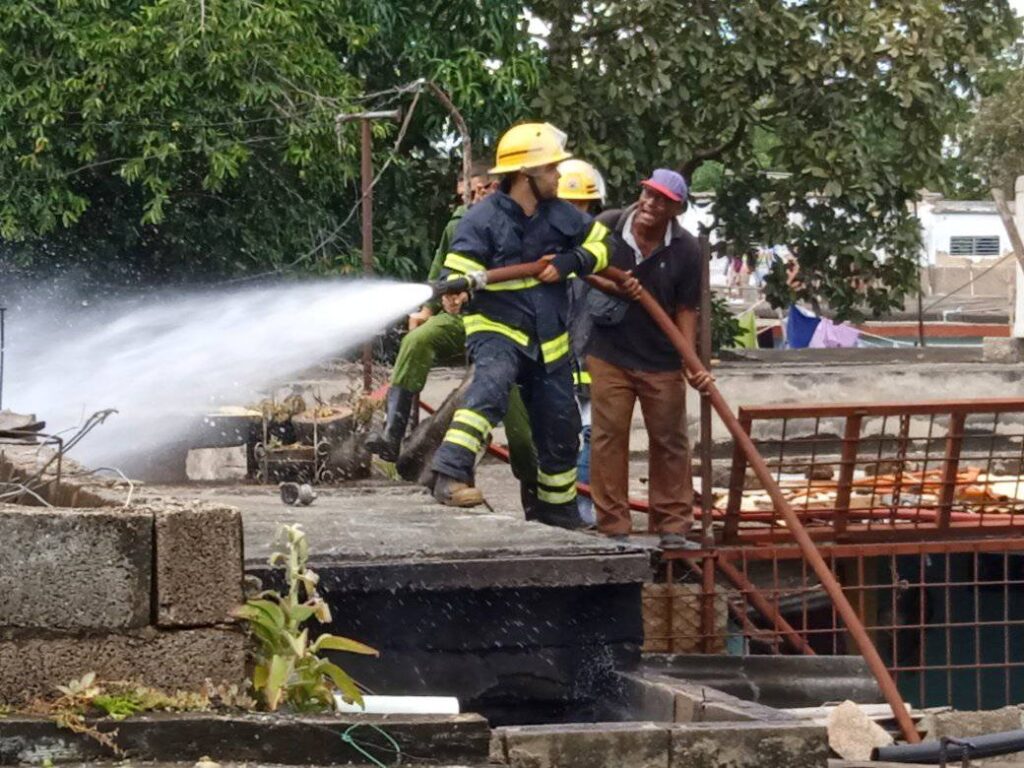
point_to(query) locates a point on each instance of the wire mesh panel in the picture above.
(946, 617)
(868, 472)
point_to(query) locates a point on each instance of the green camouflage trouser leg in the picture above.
(441, 339)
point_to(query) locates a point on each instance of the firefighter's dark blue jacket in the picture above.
(497, 233)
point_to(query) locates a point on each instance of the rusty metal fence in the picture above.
(868, 472)
(916, 509)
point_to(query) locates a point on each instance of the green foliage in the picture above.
(288, 669)
(146, 141)
(83, 700)
(175, 140)
(847, 103)
(160, 138)
(724, 325)
(994, 141)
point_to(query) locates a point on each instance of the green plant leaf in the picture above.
(271, 609)
(259, 676)
(349, 690)
(336, 643)
(299, 644)
(302, 612)
(277, 678)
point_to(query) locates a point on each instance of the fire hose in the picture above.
(480, 280)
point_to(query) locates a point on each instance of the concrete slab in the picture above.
(75, 569)
(587, 745)
(748, 745)
(257, 739)
(365, 525)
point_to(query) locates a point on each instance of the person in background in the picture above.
(582, 185)
(630, 359)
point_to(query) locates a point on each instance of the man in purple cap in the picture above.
(630, 359)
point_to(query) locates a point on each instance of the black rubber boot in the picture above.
(560, 515)
(388, 443)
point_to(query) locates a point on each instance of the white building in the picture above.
(962, 229)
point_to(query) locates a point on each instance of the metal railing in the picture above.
(917, 510)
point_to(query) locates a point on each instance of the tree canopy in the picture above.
(854, 96)
(168, 138)
(161, 138)
(993, 141)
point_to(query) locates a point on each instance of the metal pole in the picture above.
(706, 498)
(367, 211)
(366, 201)
(3, 349)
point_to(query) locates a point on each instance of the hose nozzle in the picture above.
(474, 281)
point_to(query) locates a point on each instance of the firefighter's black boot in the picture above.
(388, 444)
(560, 515)
(528, 498)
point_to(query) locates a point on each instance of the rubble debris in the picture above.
(852, 734)
(294, 493)
(15, 425)
(216, 464)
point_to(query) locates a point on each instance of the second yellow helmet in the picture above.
(579, 180)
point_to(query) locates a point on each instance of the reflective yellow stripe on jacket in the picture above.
(551, 351)
(514, 285)
(481, 324)
(596, 245)
(458, 262)
(555, 349)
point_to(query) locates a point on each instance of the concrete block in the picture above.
(963, 725)
(31, 665)
(1000, 350)
(213, 464)
(749, 745)
(646, 699)
(590, 745)
(199, 570)
(75, 569)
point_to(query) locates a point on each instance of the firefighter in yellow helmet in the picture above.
(580, 183)
(516, 332)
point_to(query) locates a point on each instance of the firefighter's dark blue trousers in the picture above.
(554, 419)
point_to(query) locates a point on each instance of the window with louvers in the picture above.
(974, 246)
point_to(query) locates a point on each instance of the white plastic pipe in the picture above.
(402, 705)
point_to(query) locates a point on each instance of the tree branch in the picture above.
(713, 153)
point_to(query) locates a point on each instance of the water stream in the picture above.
(165, 359)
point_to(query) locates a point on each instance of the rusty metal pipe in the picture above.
(753, 596)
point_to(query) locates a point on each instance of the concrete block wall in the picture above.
(662, 745)
(138, 593)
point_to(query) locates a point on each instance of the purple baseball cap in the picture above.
(668, 183)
